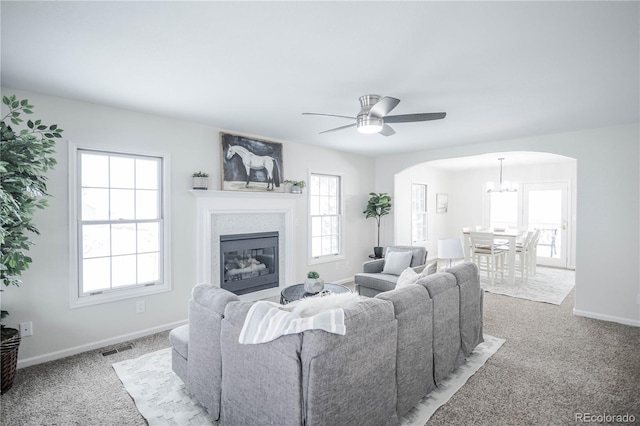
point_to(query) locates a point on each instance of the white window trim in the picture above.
(75, 301)
(426, 196)
(343, 240)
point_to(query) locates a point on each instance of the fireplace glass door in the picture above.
(249, 262)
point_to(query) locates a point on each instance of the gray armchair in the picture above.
(381, 275)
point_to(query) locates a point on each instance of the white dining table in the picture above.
(509, 234)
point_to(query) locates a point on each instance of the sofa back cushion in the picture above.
(259, 381)
(351, 379)
(471, 300)
(414, 359)
(445, 294)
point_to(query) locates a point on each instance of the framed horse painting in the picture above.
(250, 164)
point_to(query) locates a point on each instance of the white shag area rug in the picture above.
(161, 398)
(549, 285)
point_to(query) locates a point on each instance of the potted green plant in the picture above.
(313, 283)
(26, 157)
(200, 180)
(296, 185)
(378, 205)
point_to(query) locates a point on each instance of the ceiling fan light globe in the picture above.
(369, 129)
(369, 125)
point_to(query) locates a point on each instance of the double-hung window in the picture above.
(418, 213)
(325, 209)
(120, 247)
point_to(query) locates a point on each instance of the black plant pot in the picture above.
(377, 252)
(9, 356)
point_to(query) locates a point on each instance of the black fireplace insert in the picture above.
(249, 262)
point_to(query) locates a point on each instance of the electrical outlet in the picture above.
(26, 329)
(140, 307)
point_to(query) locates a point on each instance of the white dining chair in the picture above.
(533, 252)
(466, 240)
(523, 256)
(486, 255)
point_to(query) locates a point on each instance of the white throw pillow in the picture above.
(396, 261)
(432, 268)
(311, 306)
(408, 276)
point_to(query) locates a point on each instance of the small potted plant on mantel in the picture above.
(313, 283)
(296, 185)
(200, 180)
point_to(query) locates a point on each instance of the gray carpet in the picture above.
(552, 366)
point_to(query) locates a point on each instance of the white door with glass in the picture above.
(545, 207)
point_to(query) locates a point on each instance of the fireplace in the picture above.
(222, 213)
(249, 262)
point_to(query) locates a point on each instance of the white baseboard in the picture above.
(52, 356)
(625, 321)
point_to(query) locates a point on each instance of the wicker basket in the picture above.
(9, 358)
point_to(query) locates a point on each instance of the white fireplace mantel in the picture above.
(200, 193)
(243, 212)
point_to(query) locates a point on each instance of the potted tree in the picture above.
(26, 157)
(313, 283)
(378, 205)
(200, 180)
(296, 185)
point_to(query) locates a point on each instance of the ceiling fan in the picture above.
(373, 117)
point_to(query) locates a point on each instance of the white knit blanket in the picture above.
(267, 321)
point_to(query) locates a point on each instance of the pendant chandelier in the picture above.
(503, 186)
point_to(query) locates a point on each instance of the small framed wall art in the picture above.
(442, 203)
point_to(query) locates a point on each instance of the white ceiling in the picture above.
(501, 70)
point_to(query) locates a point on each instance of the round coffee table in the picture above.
(296, 292)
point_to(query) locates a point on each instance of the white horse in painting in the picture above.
(257, 162)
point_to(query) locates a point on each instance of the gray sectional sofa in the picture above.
(398, 346)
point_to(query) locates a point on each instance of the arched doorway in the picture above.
(539, 177)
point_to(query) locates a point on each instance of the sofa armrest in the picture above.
(373, 266)
(204, 371)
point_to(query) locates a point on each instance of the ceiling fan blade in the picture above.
(408, 118)
(328, 115)
(387, 131)
(338, 128)
(383, 107)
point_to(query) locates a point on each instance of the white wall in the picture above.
(437, 181)
(607, 210)
(468, 198)
(43, 298)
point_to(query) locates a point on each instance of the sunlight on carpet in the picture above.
(549, 285)
(161, 397)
